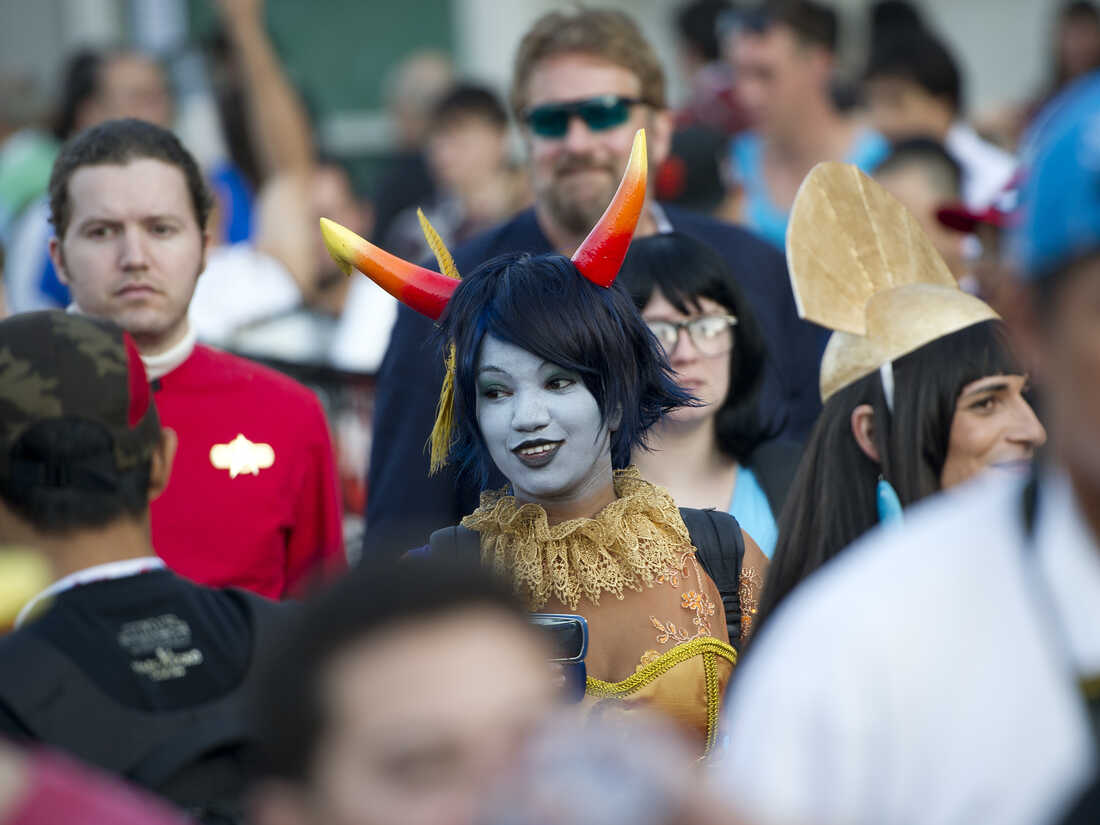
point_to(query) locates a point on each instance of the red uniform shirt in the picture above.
(253, 499)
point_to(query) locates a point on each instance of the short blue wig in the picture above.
(545, 306)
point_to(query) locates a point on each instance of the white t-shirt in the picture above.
(987, 168)
(916, 679)
(240, 286)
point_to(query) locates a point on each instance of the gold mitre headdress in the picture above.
(862, 266)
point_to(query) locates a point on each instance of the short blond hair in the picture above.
(603, 33)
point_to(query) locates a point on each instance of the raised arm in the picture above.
(278, 124)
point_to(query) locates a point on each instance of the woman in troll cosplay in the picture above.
(554, 377)
(920, 387)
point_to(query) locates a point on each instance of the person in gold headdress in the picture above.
(554, 378)
(921, 390)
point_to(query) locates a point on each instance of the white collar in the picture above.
(99, 572)
(158, 366)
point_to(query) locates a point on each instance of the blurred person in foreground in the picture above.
(583, 83)
(914, 89)
(401, 695)
(43, 788)
(961, 684)
(253, 501)
(925, 179)
(597, 771)
(119, 662)
(784, 53)
(717, 454)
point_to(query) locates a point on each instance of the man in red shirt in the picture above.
(253, 499)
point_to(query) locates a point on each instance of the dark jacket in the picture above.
(405, 505)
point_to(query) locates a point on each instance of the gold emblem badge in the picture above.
(242, 456)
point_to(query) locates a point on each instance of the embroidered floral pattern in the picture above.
(695, 601)
(748, 591)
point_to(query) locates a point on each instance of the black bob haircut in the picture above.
(545, 306)
(99, 493)
(918, 56)
(288, 717)
(832, 501)
(685, 270)
(118, 142)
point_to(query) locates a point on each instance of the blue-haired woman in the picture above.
(554, 378)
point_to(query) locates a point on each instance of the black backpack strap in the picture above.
(457, 543)
(774, 463)
(720, 549)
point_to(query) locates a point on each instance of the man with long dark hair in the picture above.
(950, 671)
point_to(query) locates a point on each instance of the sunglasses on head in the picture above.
(551, 120)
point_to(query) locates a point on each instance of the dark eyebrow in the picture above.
(491, 368)
(1001, 387)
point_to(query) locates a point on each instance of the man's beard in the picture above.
(574, 214)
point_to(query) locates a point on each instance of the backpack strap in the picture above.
(720, 549)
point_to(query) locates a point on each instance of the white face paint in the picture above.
(541, 424)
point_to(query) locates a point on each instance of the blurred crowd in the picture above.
(811, 405)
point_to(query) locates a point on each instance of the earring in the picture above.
(889, 505)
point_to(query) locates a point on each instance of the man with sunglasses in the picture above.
(583, 83)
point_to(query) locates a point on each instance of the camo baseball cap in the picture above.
(57, 365)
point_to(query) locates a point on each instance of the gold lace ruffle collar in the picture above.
(634, 542)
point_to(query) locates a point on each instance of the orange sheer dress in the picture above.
(657, 630)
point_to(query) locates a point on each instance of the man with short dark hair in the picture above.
(400, 696)
(784, 53)
(583, 83)
(119, 661)
(253, 501)
(914, 90)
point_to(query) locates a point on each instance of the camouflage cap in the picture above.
(56, 365)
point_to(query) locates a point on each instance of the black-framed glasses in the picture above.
(711, 334)
(551, 120)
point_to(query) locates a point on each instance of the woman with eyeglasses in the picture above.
(717, 454)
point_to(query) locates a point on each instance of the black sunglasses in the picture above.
(551, 120)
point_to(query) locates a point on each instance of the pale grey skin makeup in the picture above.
(523, 400)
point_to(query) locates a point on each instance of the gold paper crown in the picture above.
(862, 266)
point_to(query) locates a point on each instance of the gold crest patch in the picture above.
(242, 456)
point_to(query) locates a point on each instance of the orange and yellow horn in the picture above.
(601, 255)
(416, 287)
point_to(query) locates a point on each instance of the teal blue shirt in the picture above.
(760, 212)
(751, 509)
